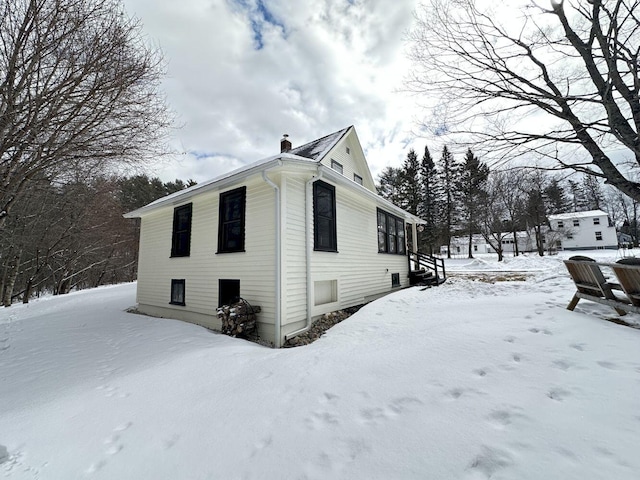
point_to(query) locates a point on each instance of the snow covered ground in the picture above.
(470, 380)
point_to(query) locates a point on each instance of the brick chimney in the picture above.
(285, 144)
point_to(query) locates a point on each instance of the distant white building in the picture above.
(460, 245)
(589, 230)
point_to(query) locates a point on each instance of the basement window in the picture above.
(325, 291)
(395, 280)
(177, 292)
(228, 291)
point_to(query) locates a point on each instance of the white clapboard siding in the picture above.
(255, 268)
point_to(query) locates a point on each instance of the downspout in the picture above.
(278, 321)
(308, 217)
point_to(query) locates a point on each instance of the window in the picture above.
(475, 248)
(336, 166)
(228, 291)
(231, 221)
(181, 238)
(324, 217)
(391, 234)
(177, 292)
(357, 178)
(560, 224)
(569, 236)
(325, 291)
(395, 279)
(348, 151)
(599, 236)
(596, 221)
(576, 223)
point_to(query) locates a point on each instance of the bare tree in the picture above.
(561, 81)
(79, 89)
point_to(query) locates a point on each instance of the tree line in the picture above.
(464, 196)
(72, 235)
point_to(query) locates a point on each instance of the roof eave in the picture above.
(222, 182)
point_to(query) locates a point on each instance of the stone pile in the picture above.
(321, 325)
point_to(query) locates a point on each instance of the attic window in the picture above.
(596, 221)
(576, 223)
(348, 151)
(560, 224)
(337, 166)
(357, 178)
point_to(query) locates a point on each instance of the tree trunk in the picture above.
(12, 275)
(516, 251)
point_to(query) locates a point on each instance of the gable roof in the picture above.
(317, 149)
(309, 154)
(572, 215)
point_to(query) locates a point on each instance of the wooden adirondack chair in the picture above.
(591, 284)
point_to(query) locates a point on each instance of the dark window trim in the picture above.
(390, 237)
(395, 280)
(175, 234)
(174, 283)
(221, 222)
(337, 166)
(358, 179)
(333, 233)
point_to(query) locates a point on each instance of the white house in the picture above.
(582, 231)
(300, 234)
(460, 244)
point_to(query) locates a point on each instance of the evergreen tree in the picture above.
(557, 201)
(390, 184)
(410, 187)
(448, 172)
(593, 195)
(470, 185)
(429, 206)
(578, 201)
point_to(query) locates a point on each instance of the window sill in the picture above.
(230, 251)
(325, 250)
(180, 256)
(180, 304)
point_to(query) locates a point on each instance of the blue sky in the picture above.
(243, 72)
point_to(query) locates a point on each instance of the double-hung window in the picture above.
(391, 234)
(181, 237)
(231, 220)
(324, 217)
(177, 292)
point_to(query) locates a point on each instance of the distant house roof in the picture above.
(572, 215)
(317, 149)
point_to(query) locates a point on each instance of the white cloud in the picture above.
(243, 72)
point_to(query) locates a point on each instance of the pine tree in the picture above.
(429, 206)
(448, 173)
(578, 201)
(557, 201)
(410, 187)
(594, 198)
(390, 184)
(470, 185)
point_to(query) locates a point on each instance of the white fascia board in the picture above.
(222, 181)
(340, 179)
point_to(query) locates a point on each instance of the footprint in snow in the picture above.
(510, 339)
(578, 346)
(558, 394)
